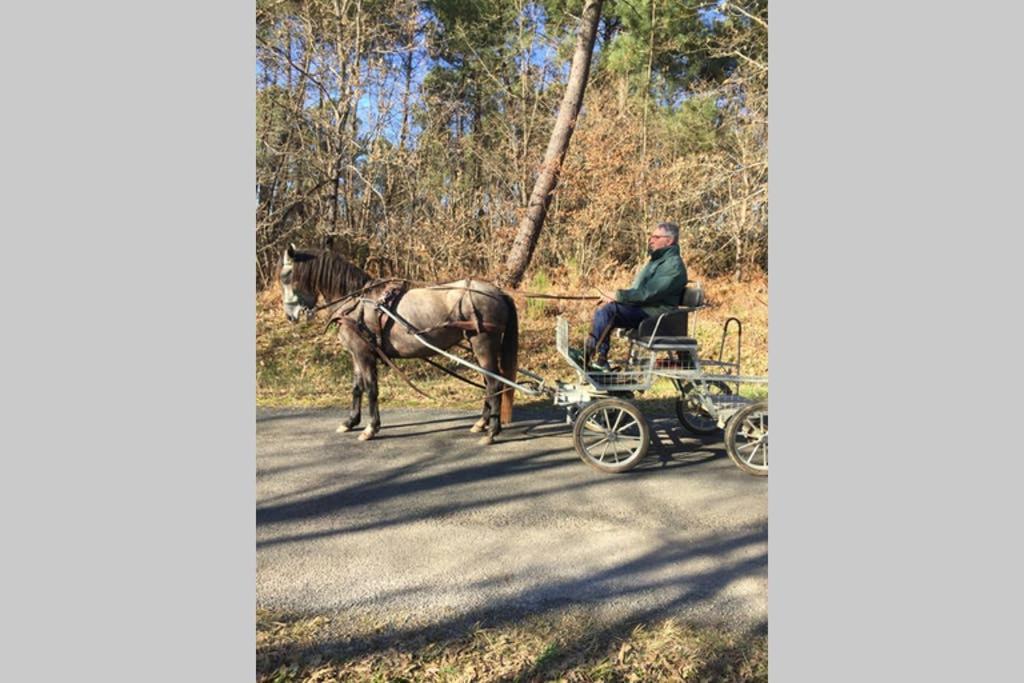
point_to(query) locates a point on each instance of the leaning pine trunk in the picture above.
(547, 179)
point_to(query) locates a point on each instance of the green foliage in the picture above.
(671, 36)
(692, 127)
(540, 283)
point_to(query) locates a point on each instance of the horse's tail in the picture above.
(509, 358)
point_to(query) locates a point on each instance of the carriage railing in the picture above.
(688, 366)
(636, 375)
(720, 372)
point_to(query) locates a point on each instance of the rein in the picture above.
(369, 285)
(526, 295)
(531, 295)
(538, 295)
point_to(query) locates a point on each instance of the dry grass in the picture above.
(563, 648)
(301, 365)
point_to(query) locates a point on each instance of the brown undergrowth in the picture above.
(301, 365)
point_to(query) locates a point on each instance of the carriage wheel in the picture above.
(689, 410)
(746, 439)
(611, 435)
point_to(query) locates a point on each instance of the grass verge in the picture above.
(563, 648)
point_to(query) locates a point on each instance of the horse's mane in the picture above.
(328, 272)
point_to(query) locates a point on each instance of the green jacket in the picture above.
(658, 287)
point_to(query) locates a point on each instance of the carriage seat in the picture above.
(669, 331)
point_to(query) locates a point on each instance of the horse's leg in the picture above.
(481, 424)
(357, 401)
(370, 385)
(485, 349)
(352, 343)
(494, 406)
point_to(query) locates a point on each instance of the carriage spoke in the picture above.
(627, 426)
(618, 420)
(752, 444)
(763, 445)
(628, 452)
(753, 452)
(754, 447)
(764, 454)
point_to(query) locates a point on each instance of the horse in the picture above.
(442, 314)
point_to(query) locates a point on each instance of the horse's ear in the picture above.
(327, 242)
(290, 251)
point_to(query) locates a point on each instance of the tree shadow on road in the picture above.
(457, 465)
(450, 474)
(691, 601)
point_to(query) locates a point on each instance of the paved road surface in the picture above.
(422, 526)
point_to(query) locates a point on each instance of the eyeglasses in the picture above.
(654, 236)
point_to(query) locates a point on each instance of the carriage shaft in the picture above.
(461, 361)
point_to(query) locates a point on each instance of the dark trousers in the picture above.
(610, 316)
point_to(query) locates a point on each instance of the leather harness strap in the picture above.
(354, 317)
(359, 327)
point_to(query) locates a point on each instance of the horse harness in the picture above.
(471, 322)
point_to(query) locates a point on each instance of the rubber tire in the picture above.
(622, 406)
(686, 417)
(732, 433)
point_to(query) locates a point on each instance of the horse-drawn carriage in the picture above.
(610, 432)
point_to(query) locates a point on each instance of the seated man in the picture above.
(656, 289)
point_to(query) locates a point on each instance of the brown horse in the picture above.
(442, 314)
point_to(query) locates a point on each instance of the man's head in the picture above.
(663, 235)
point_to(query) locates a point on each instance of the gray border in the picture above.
(129, 497)
(129, 502)
(893, 177)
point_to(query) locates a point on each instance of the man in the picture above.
(656, 289)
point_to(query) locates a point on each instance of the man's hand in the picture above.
(605, 297)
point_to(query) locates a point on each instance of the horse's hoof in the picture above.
(477, 428)
(366, 434)
(343, 428)
(486, 440)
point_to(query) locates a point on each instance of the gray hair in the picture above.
(672, 229)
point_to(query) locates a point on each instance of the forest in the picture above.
(413, 132)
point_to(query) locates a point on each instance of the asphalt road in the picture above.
(422, 526)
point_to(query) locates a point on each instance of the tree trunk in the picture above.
(537, 208)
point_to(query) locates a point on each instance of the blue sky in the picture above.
(373, 109)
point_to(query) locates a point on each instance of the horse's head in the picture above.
(296, 300)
